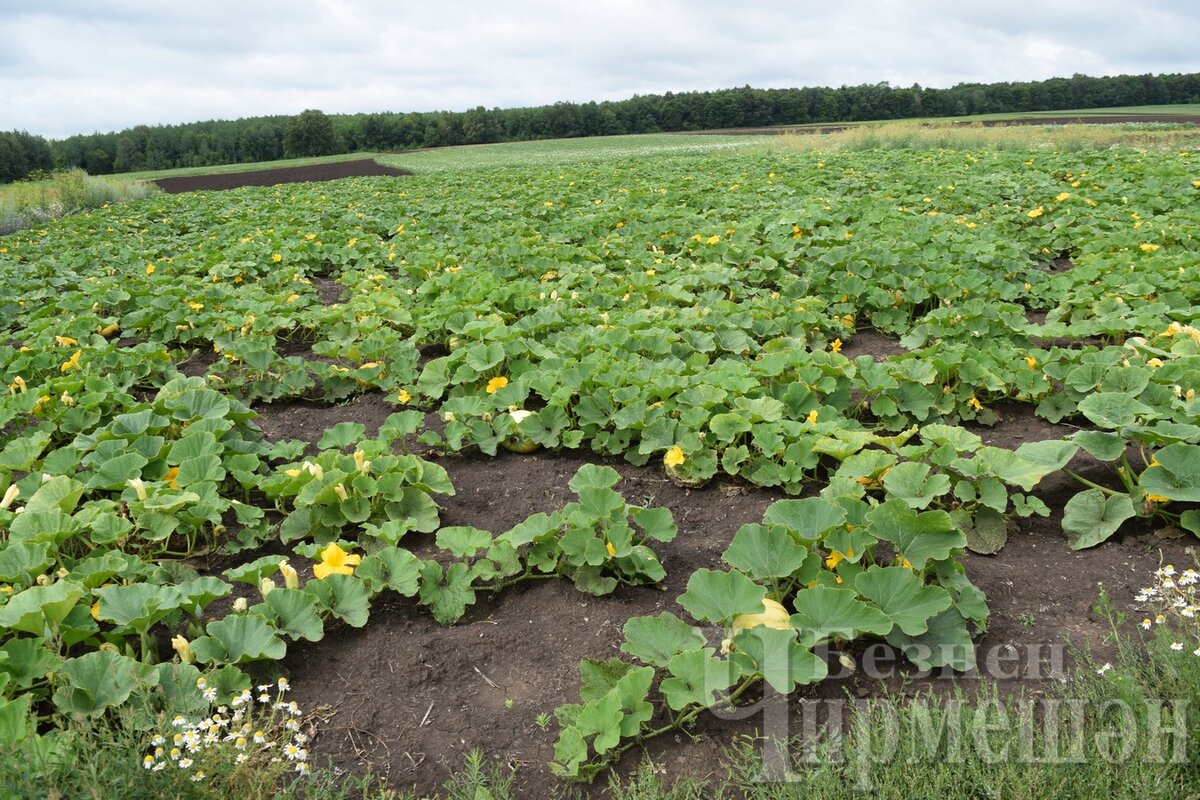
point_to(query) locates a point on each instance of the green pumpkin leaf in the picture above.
(97, 681)
(654, 640)
(696, 678)
(776, 655)
(720, 596)
(920, 538)
(825, 611)
(765, 553)
(903, 596)
(391, 568)
(1091, 516)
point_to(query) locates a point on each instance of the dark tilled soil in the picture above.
(408, 698)
(273, 177)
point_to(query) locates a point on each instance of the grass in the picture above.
(30, 203)
(958, 135)
(549, 152)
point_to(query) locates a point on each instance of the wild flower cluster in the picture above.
(1174, 598)
(260, 731)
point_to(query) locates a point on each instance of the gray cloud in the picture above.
(76, 66)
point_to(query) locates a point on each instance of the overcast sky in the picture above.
(78, 66)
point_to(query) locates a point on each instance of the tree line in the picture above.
(312, 133)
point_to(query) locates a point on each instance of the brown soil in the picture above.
(872, 343)
(273, 177)
(408, 698)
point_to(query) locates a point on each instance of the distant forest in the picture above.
(199, 144)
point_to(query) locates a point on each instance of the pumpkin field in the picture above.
(551, 464)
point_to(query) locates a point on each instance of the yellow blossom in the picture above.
(548, 204)
(674, 456)
(10, 496)
(96, 611)
(277, 257)
(404, 396)
(171, 476)
(310, 236)
(71, 363)
(291, 579)
(184, 648)
(150, 269)
(352, 242)
(974, 403)
(293, 297)
(713, 239)
(335, 560)
(1062, 196)
(65, 341)
(496, 384)
(834, 559)
(812, 416)
(612, 551)
(18, 384)
(1146, 247)
(1154, 362)
(1031, 362)
(904, 562)
(836, 345)
(1157, 498)
(1037, 212)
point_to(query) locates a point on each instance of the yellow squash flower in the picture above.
(404, 396)
(277, 257)
(71, 363)
(171, 476)
(150, 269)
(612, 551)
(1037, 212)
(335, 560)
(1031, 362)
(674, 456)
(1146, 247)
(812, 416)
(1062, 196)
(496, 384)
(836, 345)
(65, 341)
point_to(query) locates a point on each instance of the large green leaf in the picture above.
(920, 538)
(99, 680)
(293, 612)
(765, 552)
(655, 640)
(392, 568)
(1091, 516)
(446, 594)
(825, 611)
(463, 541)
(903, 596)
(136, 605)
(776, 655)
(810, 517)
(1113, 410)
(947, 643)
(912, 483)
(38, 608)
(344, 596)
(720, 596)
(1176, 476)
(239, 638)
(696, 678)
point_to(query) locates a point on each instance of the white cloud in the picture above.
(76, 66)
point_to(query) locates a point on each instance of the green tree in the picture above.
(311, 133)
